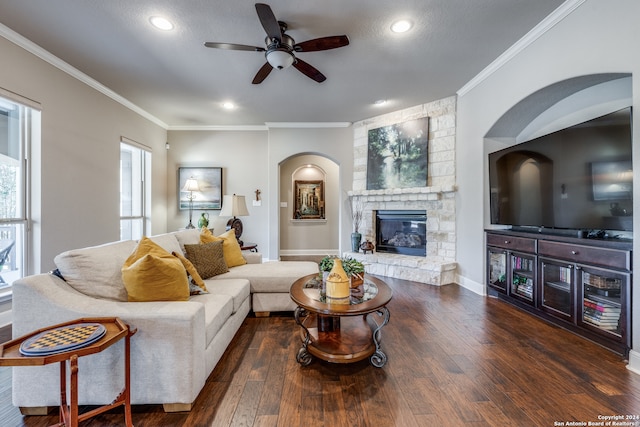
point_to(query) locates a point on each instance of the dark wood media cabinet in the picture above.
(583, 285)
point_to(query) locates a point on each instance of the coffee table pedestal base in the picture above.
(349, 339)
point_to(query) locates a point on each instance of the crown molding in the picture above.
(46, 56)
(220, 128)
(308, 125)
(564, 10)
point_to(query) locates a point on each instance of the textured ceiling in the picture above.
(173, 77)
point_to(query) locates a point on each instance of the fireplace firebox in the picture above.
(402, 232)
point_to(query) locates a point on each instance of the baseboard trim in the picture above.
(634, 362)
(472, 285)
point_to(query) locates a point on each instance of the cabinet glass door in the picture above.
(603, 301)
(557, 288)
(497, 259)
(523, 276)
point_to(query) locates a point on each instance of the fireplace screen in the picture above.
(401, 232)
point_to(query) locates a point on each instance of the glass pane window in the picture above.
(135, 190)
(16, 129)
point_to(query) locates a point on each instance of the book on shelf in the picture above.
(600, 307)
(520, 263)
(608, 324)
(603, 301)
(601, 314)
(564, 274)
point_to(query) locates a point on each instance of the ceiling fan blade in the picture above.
(268, 21)
(262, 73)
(233, 46)
(323, 43)
(309, 70)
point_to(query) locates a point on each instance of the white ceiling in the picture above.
(173, 77)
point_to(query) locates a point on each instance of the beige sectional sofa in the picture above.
(178, 343)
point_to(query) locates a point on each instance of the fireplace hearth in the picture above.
(402, 232)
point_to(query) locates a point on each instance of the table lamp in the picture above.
(190, 186)
(234, 205)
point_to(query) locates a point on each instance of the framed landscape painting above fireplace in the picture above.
(397, 155)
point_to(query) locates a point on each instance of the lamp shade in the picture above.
(191, 185)
(233, 205)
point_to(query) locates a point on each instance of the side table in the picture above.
(116, 329)
(248, 246)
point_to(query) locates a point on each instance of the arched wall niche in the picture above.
(309, 237)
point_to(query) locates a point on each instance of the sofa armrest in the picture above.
(170, 341)
(252, 257)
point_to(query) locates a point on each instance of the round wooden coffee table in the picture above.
(341, 333)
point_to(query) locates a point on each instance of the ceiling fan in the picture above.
(280, 48)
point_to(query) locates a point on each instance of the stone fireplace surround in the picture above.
(438, 198)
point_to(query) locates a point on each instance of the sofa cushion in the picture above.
(153, 274)
(238, 289)
(275, 276)
(189, 236)
(217, 309)
(208, 258)
(96, 271)
(168, 242)
(230, 246)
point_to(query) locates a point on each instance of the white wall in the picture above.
(77, 165)
(242, 157)
(597, 37)
(251, 160)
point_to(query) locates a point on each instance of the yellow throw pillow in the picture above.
(153, 274)
(207, 236)
(191, 269)
(231, 249)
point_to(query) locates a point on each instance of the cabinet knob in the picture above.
(506, 242)
(574, 252)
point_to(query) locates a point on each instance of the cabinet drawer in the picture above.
(613, 258)
(513, 243)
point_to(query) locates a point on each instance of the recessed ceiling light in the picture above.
(228, 105)
(401, 26)
(379, 102)
(161, 23)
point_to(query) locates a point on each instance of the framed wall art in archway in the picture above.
(308, 199)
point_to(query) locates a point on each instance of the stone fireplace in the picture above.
(437, 199)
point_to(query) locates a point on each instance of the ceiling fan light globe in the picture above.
(280, 59)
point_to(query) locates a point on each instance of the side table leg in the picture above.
(73, 399)
(64, 408)
(378, 358)
(127, 379)
(303, 357)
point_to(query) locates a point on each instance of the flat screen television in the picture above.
(578, 178)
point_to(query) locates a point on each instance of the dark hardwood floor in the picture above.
(455, 359)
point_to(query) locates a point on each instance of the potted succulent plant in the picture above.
(354, 269)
